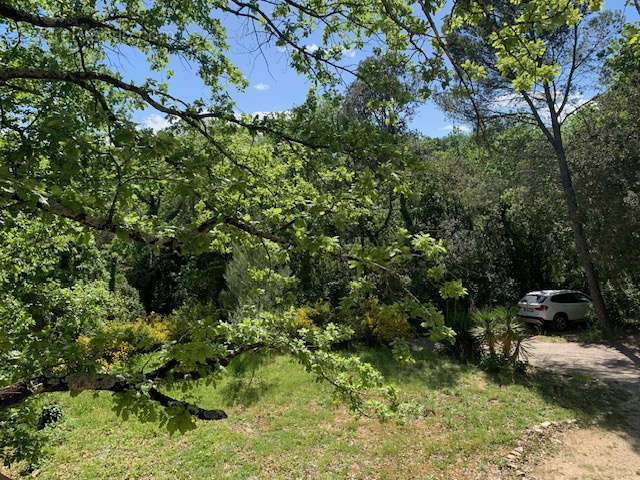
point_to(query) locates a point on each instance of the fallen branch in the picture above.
(201, 413)
(19, 391)
(23, 389)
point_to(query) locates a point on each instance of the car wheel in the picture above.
(560, 321)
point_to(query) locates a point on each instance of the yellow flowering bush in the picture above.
(383, 323)
(118, 342)
(310, 316)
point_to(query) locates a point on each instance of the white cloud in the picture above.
(451, 127)
(349, 52)
(508, 101)
(512, 102)
(155, 122)
(311, 48)
(574, 102)
(261, 86)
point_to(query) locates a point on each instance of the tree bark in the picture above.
(555, 139)
(578, 232)
(19, 391)
(23, 389)
(406, 215)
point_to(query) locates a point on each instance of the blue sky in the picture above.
(274, 86)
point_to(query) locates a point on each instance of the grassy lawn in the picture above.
(282, 424)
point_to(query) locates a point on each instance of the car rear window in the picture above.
(533, 298)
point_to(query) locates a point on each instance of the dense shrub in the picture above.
(258, 278)
(372, 321)
(315, 315)
(117, 342)
(49, 415)
(165, 281)
(623, 300)
(22, 438)
(465, 346)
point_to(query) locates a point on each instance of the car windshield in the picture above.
(533, 298)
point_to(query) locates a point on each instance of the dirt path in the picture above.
(618, 364)
(595, 453)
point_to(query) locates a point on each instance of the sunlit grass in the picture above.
(282, 424)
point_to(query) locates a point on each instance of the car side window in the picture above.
(562, 298)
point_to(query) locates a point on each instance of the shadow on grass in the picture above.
(433, 370)
(587, 333)
(590, 398)
(245, 386)
(608, 405)
(244, 390)
(593, 401)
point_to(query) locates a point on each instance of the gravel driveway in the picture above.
(596, 452)
(615, 363)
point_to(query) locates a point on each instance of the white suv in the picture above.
(556, 306)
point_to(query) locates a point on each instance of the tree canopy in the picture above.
(297, 231)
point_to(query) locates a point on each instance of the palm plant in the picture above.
(486, 329)
(500, 329)
(513, 332)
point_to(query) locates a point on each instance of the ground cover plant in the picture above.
(139, 266)
(282, 424)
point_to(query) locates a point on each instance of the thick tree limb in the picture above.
(44, 21)
(23, 389)
(176, 243)
(82, 217)
(89, 22)
(201, 413)
(19, 391)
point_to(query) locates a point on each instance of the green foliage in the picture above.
(604, 149)
(625, 61)
(385, 94)
(24, 437)
(519, 56)
(258, 276)
(502, 333)
(309, 316)
(50, 414)
(116, 343)
(284, 414)
(166, 280)
(46, 343)
(466, 346)
(318, 216)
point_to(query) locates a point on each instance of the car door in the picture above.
(576, 305)
(562, 304)
(581, 305)
(572, 306)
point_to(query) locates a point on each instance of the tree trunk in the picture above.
(578, 233)
(406, 215)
